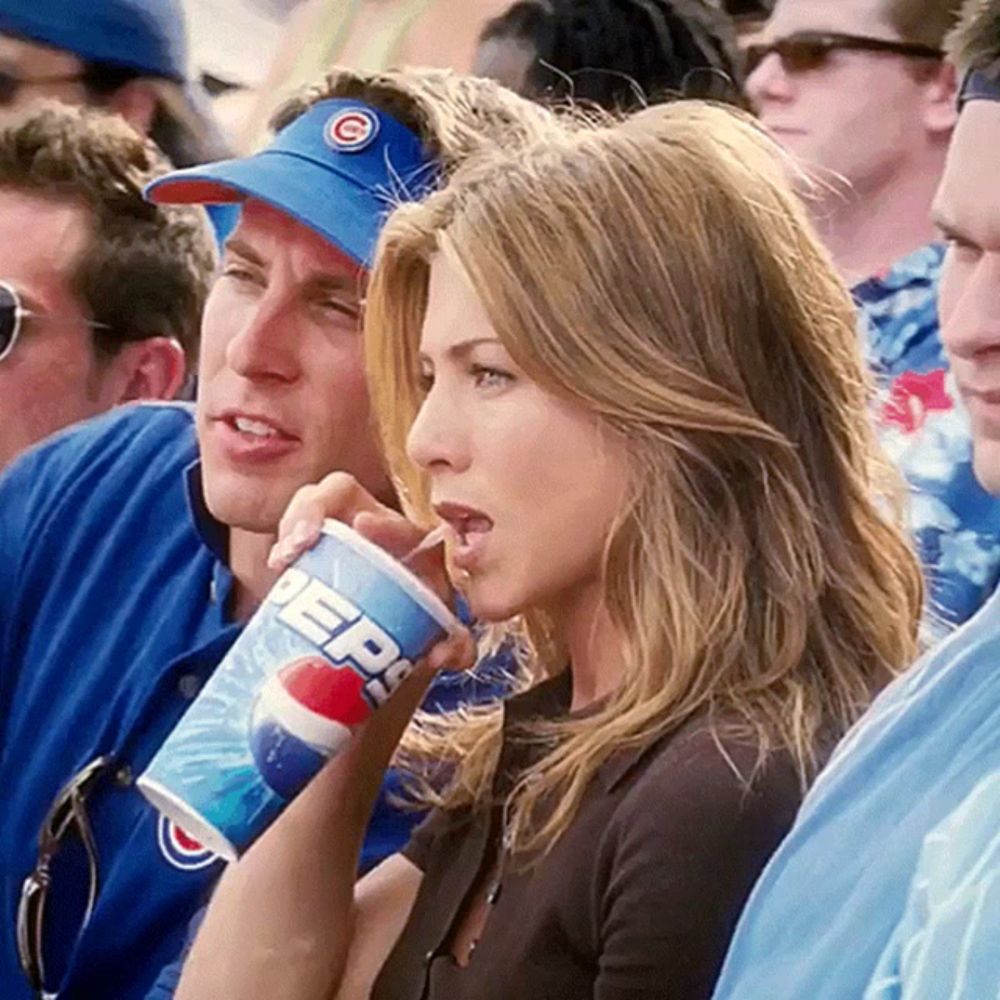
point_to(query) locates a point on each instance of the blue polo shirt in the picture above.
(113, 589)
(888, 885)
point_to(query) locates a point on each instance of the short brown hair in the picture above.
(147, 269)
(454, 115)
(975, 42)
(925, 22)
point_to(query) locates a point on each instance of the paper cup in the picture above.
(333, 639)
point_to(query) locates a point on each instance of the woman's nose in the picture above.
(438, 437)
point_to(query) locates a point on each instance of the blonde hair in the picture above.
(661, 273)
(454, 115)
(975, 42)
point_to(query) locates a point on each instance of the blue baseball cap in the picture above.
(146, 35)
(339, 168)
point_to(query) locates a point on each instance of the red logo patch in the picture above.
(181, 849)
(351, 131)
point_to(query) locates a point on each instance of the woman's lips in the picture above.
(469, 528)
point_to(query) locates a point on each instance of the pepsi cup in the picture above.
(335, 636)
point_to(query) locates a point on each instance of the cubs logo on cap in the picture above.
(181, 850)
(351, 131)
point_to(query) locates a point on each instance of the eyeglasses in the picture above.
(68, 811)
(10, 85)
(13, 314)
(808, 50)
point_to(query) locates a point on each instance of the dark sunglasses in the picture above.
(67, 812)
(10, 85)
(13, 314)
(808, 50)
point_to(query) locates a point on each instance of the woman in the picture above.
(621, 370)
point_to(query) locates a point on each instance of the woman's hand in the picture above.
(342, 497)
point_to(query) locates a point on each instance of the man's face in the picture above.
(282, 396)
(52, 377)
(42, 72)
(858, 114)
(967, 209)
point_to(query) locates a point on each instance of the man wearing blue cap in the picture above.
(888, 886)
(133, 548)
(126, 56)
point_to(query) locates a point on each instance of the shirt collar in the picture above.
(980, 85)
(551, 699)
(213, 533)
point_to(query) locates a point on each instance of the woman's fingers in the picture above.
(388, 530)
(455, 652)
(338, 495)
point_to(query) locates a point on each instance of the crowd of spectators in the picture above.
(680, 317)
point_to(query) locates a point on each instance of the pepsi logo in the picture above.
(181, 850)
(351, 131)
(302, 716)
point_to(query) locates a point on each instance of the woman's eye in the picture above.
(425, 381)
(490, 378)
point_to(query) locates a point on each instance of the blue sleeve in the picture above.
(170, 976)
(22, 492)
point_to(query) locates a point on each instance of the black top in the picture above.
(637, 899)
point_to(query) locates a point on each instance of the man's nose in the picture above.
(267, 347)
(768, 82)
(970, 309)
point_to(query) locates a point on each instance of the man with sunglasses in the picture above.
(859, 92)
(128, 57)
(888, 886)
(100, 293)
(134, 548)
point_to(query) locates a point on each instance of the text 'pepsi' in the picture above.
(340, 630)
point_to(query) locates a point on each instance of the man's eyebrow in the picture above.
(243, 249)
(324, 283)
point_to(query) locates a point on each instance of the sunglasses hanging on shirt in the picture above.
(809, 50)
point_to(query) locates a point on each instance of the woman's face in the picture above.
(528, 482)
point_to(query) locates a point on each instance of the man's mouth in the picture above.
(253, 436)
(255, 426)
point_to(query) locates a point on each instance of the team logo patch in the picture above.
(179, 849)
(351, 131)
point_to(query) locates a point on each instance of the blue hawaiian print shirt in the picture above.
(925, 431)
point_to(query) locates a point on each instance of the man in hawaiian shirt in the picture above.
(859, 92)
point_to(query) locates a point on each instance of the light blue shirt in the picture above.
(852, 900)
(948, 941)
